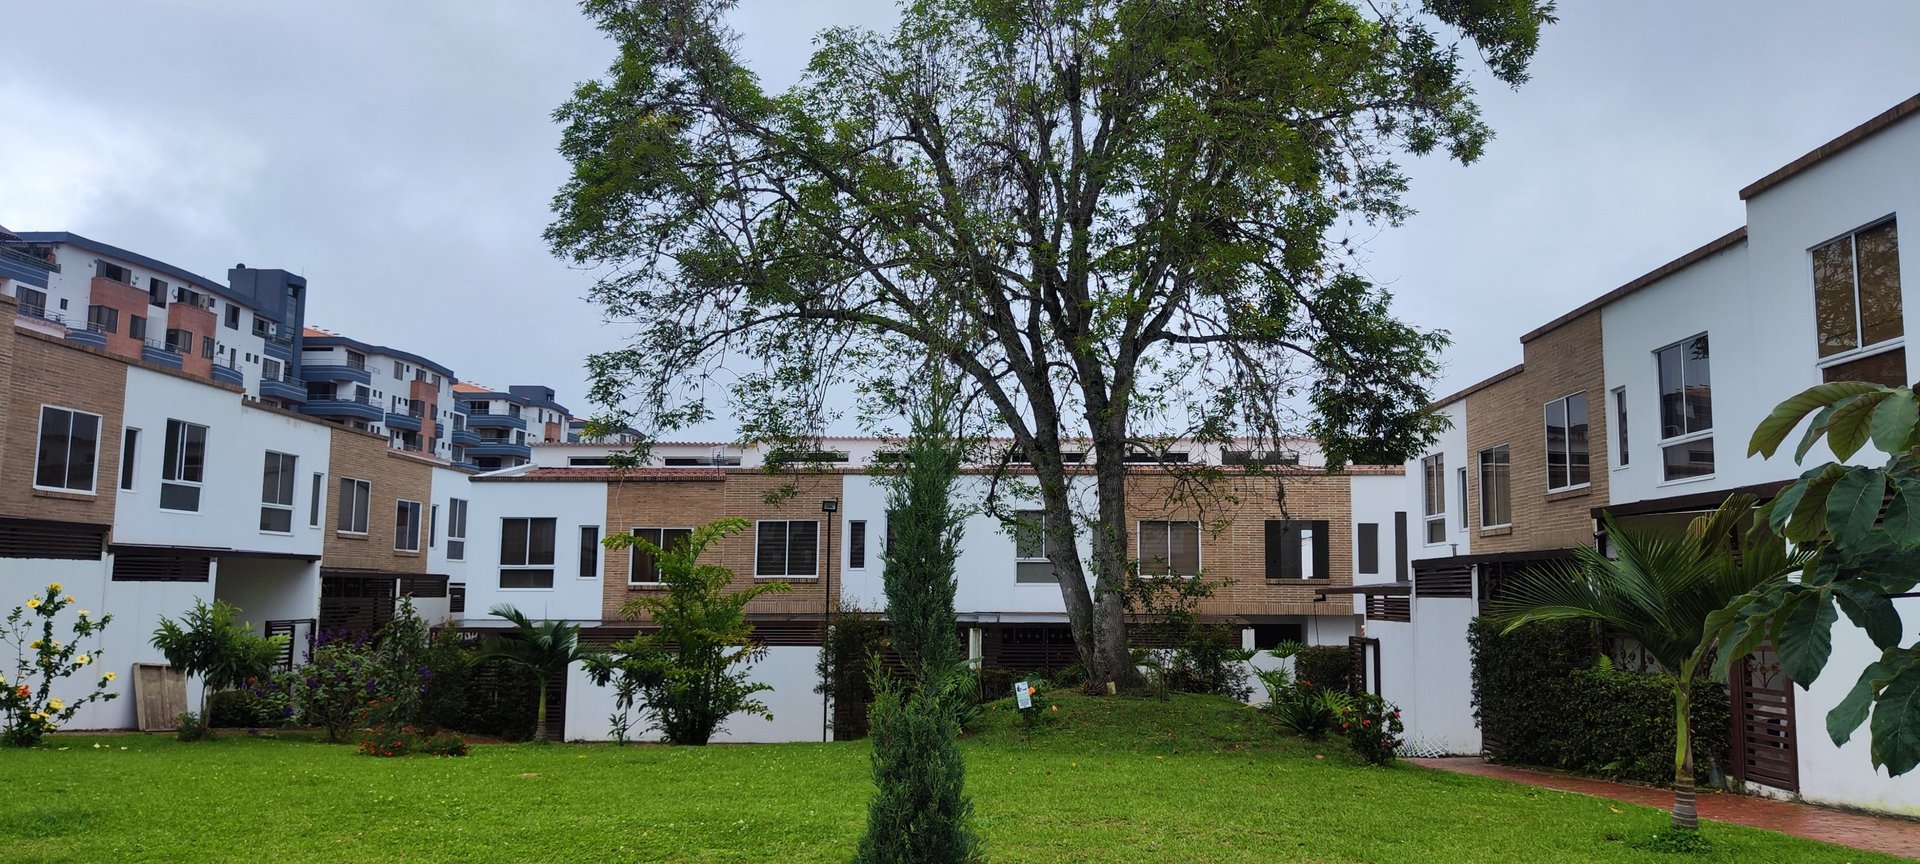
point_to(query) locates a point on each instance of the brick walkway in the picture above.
(1892, 836)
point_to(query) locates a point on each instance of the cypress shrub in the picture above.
(1545, 696)
(920, 813)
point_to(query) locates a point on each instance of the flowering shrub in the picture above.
(1372, 726)
(333, 690)
(387, 740)
(28, 708)
(1038, 711)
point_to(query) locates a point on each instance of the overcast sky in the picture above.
(401, 155)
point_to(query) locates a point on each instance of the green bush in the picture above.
(500, 699)
(1543, 696)
(191, 727)
(854, 640)
(253, 707)
(443, 744)
(1372, 726)
(1324, 667)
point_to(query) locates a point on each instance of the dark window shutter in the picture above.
(770, 552)
(1369, 543)
(803, 548)
(857, 544)
(1400, 545)
(1322, 546)
(1276, 548)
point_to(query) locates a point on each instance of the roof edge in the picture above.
(1475, 388)
(1832, 148)
(1712, 247)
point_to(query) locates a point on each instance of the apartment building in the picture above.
(403, 396)
(1639, 405)
(505, 424)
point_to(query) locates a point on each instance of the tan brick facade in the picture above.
(686, 504)
(1233, 544)
(43, 370)
(1557, 363)
(394, 477)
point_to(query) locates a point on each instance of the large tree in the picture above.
(1124, 220)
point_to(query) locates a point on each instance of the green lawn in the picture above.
(1112, 780)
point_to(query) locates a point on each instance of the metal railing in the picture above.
(357, 399)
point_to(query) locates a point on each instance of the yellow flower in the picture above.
(57, 645)
(108, 677)
(53, 586)
(33, 602)
(68, 598)
(36, 716)
(84, 613)
(55, 704)
(35, 645)
(82, 660)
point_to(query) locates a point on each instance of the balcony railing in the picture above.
(168, 347)
(335, 397)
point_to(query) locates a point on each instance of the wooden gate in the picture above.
(1365, 654)
(1763, 736)
(355, 604)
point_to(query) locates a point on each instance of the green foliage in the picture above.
(1543, 697)
(443, 744)
(690, 671)
(920, 812)
(1861, 526)
(546, 649)
(332, 689)
(1198, 656)
(1372, 726)
(1324, 667)
(1112, 218)
(191, 727)
(387, 740)
(1308, 711)
(845, 667)
(28, 707)
(207, 641)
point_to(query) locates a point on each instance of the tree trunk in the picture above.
(1685, 816)
(1110, 568)
(540, 718)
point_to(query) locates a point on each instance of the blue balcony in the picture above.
(505, 449)
(469, 465)
(356, 409)
(283, 389)
(337, 371)
(280, 349)
(160, 355)
(403, 421)
(88, 338)
(229, 375)
(464, 437)
(495, 421)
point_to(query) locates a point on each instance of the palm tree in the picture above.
(547, 648)
(1659, 590)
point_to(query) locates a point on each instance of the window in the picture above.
(1367, 536)
(1298, 549)
(1686, 409)
(262, 327)
(1460, 491)
(313, 505)
(110, 270)
(129, 456)
(1169, 548)
(406, 526)
(354, 497)
(1567, 459)
(103, 319)
(1496, 489)
(276, 493)
(857, 544)
(137, 327)
(1433, 479)
(233, 317)
(33, 303)
(180, 341)
(1856, 303)
(456, 529)
(156, 291)
(399, 371)
(589, 551)
(526, 553)
(1621, 453)
(206, 347)
(433, 527)
(184, 466)
(1269, 636)
(642, 569)
(69, 447)
(270, 368)
(1031, 546)
(787, 548)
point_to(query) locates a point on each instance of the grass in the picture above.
(1194, 779)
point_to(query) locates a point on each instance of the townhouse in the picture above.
(1639, 405)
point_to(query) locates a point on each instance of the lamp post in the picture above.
(828, 507)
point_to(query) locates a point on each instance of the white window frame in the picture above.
(1038, 522)
(355, 509)
(1433, 468)
(317, 499)
(1858, 352)
(529, 565)
(289, 468)
(93, 480)
(787, 553)
(1546, 444)
(176, 462)
(1660, 419)
(129, 459)
(659, 539)
(457, 519)
(401, 507)
(1480, 460)
(599, 552)
(1199, 546)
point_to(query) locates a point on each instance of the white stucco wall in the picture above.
(1845, 776)
(795, 707)
(571, 505)
(1452, 446)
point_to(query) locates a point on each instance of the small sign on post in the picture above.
(1021, 696)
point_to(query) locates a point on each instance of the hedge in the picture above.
(1328, 667)
(1542, 697)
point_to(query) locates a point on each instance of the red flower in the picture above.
(1366, 722)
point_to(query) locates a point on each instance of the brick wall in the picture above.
(202, 324)
(42, 370)
(129, 302)
(688, 503)
(394, 476)
(1560, 362)
(1233, 545)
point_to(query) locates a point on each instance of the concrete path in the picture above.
(1873, 833)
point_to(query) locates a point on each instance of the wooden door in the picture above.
(1761, 699)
